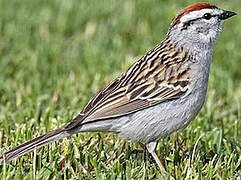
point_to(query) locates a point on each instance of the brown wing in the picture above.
(162, 74)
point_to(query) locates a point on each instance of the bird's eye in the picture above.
(207, 16)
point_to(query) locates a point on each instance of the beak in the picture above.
(226, 15)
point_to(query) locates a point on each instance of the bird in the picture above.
(159, 94)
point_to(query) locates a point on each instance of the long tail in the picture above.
(37, 142)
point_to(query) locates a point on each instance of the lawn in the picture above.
(56, 55)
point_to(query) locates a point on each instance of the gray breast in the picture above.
(155, 122)
(160, 120)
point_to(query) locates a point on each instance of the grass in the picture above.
(55, 55)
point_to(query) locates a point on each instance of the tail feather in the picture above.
(34, 143)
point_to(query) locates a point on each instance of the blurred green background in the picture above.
(55, 55)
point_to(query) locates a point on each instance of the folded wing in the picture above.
(161, 75)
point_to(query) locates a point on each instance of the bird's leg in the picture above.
(151, 149)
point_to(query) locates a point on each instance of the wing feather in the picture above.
(161, 75)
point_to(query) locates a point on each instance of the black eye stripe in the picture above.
(209, 17)
(188, 23)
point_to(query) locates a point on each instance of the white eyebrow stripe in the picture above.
(194, 15)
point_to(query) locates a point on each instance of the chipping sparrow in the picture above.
(161, 93)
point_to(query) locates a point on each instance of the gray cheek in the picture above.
(203, 29)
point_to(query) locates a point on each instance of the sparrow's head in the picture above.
(201, 21)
